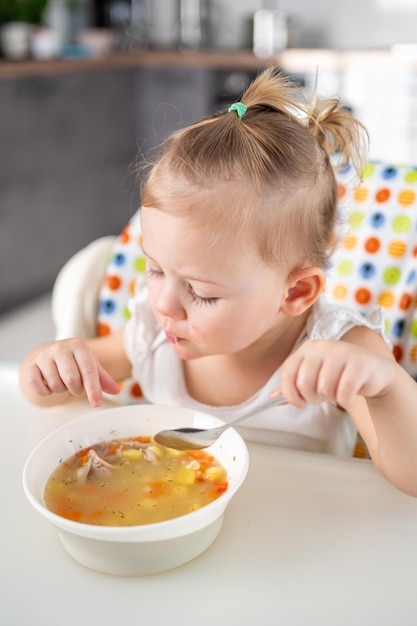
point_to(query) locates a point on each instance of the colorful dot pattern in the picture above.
(376, 261)
(126, 262)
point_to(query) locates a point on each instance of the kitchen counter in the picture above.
(292, 60)
(139, 58)
(308, 540)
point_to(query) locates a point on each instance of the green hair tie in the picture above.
(240, 109)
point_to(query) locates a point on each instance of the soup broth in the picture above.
(133, 481)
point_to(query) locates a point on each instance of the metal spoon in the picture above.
(197, 438)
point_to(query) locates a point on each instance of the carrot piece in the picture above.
(74, 516)
(204, 464)
(158, 488)
(143, 439)
(84, 451)
(196, 454)
(219, 489)
(222, 487)
(113, 449)
(83, 460)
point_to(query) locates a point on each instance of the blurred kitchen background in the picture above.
(87, 87)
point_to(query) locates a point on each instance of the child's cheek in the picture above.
(206, 332)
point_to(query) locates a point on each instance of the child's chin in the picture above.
(184, 352)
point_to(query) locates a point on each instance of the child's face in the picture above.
(218, 299)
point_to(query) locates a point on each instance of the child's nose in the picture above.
(169, 305)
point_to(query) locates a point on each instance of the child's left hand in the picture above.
(335, 371)
(360, 374)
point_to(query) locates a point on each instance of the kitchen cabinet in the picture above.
(66, 144)
(169, 98)
(69, 142)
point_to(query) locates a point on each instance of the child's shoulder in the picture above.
(330, 321)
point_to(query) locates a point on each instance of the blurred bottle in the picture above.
(164, 23)
(58, 19)
(194, 24)
(270, 32)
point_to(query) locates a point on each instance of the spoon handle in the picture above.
(279, 400)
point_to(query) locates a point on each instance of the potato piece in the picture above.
(186, 476)
(132, 453)
(157, 450)
(215, 474)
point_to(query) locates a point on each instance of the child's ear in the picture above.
(304, 286)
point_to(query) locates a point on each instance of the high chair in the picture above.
(374, 264)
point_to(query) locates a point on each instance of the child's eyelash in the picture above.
(200, 301)
(153, 272)
(194, 297)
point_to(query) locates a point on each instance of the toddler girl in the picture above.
(238, 221)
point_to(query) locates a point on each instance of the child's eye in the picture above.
(153, 272)
(199, 300)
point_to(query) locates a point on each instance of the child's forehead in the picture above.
(229, 209)
(207, 196)
(169, 238)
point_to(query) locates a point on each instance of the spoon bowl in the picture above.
(188, 438)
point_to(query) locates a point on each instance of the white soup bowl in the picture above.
(143, 549)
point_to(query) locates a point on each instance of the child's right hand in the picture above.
(67, 367)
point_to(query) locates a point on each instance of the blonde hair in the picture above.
(267, 177)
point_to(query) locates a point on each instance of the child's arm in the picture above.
(54, 372)
(360, 374)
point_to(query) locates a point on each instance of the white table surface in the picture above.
(307, 540)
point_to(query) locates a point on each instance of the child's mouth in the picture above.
(172, 338)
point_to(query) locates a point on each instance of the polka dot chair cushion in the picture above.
(125, 264)
(376, 261)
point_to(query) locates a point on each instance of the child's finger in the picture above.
(88, 370)
(36, 381)
(52, 376)
(289, 375)
(94, 387)
(108, 384)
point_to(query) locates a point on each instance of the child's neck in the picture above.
(229, 379)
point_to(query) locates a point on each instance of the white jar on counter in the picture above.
(270, 33)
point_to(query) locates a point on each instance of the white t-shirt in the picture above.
(318, 428)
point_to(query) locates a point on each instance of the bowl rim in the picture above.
(176, 527)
